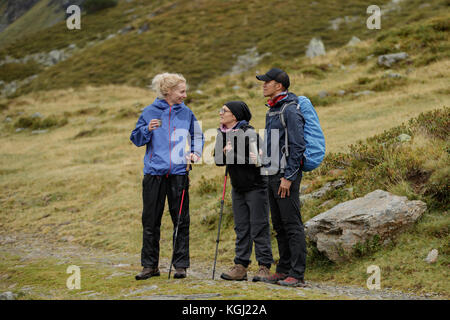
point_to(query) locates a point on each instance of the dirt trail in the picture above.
(34, 248)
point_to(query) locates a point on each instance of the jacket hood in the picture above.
(162, 104)
(239, 124)
(290, 97)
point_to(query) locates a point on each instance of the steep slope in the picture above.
(34, 16)
(11, 10)
(69, 172)
(202, 39)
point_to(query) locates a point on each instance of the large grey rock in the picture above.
(336, 231)
(315, 48)
(388, 60)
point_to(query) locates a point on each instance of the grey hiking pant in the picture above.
(251, 224)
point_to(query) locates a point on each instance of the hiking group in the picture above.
(264, 174)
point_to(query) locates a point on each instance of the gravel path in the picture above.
(31, 247)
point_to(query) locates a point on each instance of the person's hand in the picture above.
(285, 185)
(192, 158)
(253, 156)
(154, 124)
(228, 147)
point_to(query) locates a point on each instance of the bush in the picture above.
(19, 71)
(92, 6)
(36, 123)
(383, 162)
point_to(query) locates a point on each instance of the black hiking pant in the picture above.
(154, 192)
(251, 224)
(288, 225)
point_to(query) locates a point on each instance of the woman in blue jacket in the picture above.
(164, 127)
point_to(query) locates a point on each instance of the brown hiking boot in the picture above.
(262, 274)
(147, 273)
(238, 273)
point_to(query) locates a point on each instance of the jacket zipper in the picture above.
(170, 146)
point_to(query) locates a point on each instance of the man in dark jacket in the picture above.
(237, 146)
(284, 159)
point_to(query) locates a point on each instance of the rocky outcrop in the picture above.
(315, 48)
(248, 60)
(379, 213)
(46, 59)
(388, 60)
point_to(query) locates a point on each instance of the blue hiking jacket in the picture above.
(165, 146)
(297, 145)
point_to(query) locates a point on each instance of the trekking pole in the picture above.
(186, 181)
(220, 221)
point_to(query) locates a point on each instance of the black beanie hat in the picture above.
(240, 110)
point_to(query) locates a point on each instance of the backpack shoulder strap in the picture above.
(283, 122)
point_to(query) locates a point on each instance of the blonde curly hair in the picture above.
(163, 82)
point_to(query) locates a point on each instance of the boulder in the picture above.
(315, 48)
(54, 57)
(353, 41)
(388, 60)
(335, 232)
(404, 137)
(432, 256)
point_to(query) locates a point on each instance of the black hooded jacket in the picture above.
(245, 175)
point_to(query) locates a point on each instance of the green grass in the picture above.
(50, 276)
(19, 71)
(83, 179)
(37, 18)
(195, 50)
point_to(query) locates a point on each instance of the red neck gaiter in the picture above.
(272, 102)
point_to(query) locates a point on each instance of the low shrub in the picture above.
(92, 6)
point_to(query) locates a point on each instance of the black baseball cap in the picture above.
(276, 74)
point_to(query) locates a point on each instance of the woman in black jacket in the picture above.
(237, 146)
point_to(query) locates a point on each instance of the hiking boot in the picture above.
(180, 273)
(238, 273)
(275, 278)
(292, 282)
(262, 274)
(147, 273)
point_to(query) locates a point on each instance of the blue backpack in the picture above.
(313, 134)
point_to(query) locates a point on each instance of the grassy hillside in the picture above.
(81, 179)
(70, 176)
(39, 17)
(200, 38)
